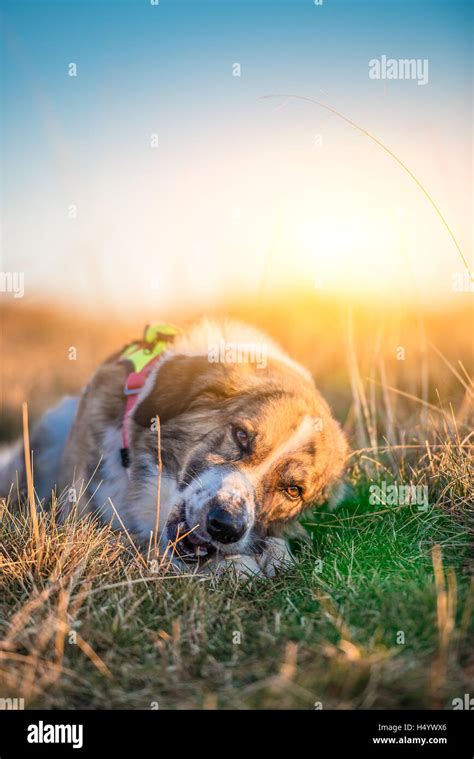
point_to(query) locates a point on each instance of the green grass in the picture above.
(316, 634)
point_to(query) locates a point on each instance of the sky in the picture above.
(162, 173)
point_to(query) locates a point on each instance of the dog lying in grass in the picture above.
(215, 457)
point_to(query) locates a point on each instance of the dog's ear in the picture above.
(178, 382)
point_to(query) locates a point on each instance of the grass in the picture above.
(328, 633)
(376, 613)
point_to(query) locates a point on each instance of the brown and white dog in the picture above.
(245, 446)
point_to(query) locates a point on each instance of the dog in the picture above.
(217, 454)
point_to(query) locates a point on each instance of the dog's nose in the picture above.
(225, 526)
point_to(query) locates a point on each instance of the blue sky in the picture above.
(232, 171)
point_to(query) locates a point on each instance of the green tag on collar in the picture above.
(140, 355)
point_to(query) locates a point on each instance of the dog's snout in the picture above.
(225, 526)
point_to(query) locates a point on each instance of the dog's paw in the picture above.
(276, 557)
(242, 567)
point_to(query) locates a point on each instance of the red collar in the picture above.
(134, 382)
(141, 357)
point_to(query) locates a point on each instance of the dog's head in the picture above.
(248, 447)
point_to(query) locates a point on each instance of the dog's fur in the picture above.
(292, 441)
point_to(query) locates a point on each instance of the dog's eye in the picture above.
(242, 438)
(293, 491)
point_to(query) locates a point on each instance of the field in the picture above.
(377, 612)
